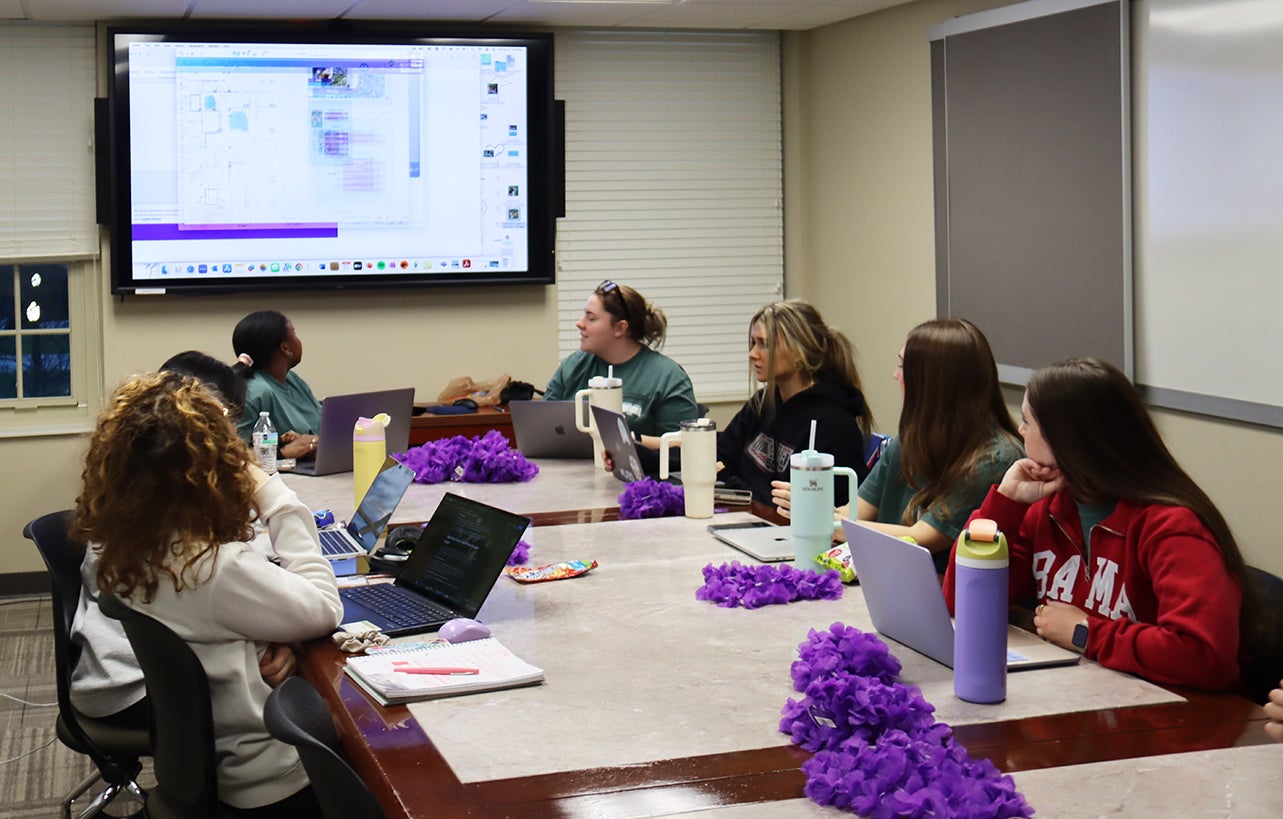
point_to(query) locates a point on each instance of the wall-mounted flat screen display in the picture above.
(289, 159)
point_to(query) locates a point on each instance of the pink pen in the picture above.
(417, 669)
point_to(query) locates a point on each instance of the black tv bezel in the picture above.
(541, 182)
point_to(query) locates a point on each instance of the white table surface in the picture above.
(638, 670)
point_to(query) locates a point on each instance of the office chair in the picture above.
(296, 714)
(182, 719)
(874, 448)
(113, 749)
(1264, 643)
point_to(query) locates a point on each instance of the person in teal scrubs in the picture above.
(267, 351)
(621, 330)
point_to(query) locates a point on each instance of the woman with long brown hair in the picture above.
(808, 373)
(955, 439)
(169, 498)
(1129, 560)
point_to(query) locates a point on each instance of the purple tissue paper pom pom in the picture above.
(520, 554)
(734, 584)
(878, 750)
(483, 459)
(649, 498)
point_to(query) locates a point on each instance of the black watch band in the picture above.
(1080, 636)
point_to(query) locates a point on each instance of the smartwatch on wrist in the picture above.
(1080, 636)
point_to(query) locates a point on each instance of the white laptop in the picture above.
(762, 541)
(905, 601)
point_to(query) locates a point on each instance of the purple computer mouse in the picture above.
(461, 630)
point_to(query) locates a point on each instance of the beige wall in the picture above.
(862, 243)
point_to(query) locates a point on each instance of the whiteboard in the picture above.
(1208, 221)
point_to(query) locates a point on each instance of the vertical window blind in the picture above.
(46, 142)
(674, 187)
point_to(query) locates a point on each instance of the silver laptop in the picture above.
(617, 439)
(361, 534)
(546, 429)
(905, 601)
(338, 416)
(762, 541)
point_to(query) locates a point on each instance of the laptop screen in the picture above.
(380, 502)
(462, 550)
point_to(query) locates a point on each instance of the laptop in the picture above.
(617, 439)
(338, 417)
(762, 541)
(343, 543)
(905, 601)
(546, 429)
(448, 574)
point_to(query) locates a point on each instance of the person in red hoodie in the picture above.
(1129, 561)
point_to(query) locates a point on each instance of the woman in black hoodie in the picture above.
(808, 373)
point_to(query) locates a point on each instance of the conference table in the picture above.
(656, 704)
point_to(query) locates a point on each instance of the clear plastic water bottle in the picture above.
(980, 633)
(265, 442)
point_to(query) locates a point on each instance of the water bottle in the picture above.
(980, 627)
(811, 521)
(265, 442)
(369, 450)
(698, 440)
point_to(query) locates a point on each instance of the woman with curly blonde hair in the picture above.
(168, 505)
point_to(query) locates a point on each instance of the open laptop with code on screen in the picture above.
(449, 572)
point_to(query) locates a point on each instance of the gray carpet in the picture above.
(36, 770)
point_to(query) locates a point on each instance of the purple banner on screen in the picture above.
(171, 232)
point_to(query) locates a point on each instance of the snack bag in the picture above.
(839, 557)
(552, 571)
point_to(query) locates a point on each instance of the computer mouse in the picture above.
(462, 629)
(466, 403)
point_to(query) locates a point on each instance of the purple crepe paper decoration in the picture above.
(649, 498)
(878, 750)
(485, 459)
(520, 554)
(734, 584)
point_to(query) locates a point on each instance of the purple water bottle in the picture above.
(980, 625)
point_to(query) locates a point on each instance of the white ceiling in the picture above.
(721, 14)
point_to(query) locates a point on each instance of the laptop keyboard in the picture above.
(401, 608)
(334, 543)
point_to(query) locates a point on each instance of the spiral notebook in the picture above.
(426, 670)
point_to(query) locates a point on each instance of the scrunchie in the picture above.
(245, 359)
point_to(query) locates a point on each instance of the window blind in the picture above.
(674, 187)
(46, 142)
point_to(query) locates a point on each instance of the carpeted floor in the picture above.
(36, 770)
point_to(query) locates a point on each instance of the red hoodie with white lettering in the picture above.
(1159, 599)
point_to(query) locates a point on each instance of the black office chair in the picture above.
(296, 714)
(182, 719)
(114, 750)
(1264, 643)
